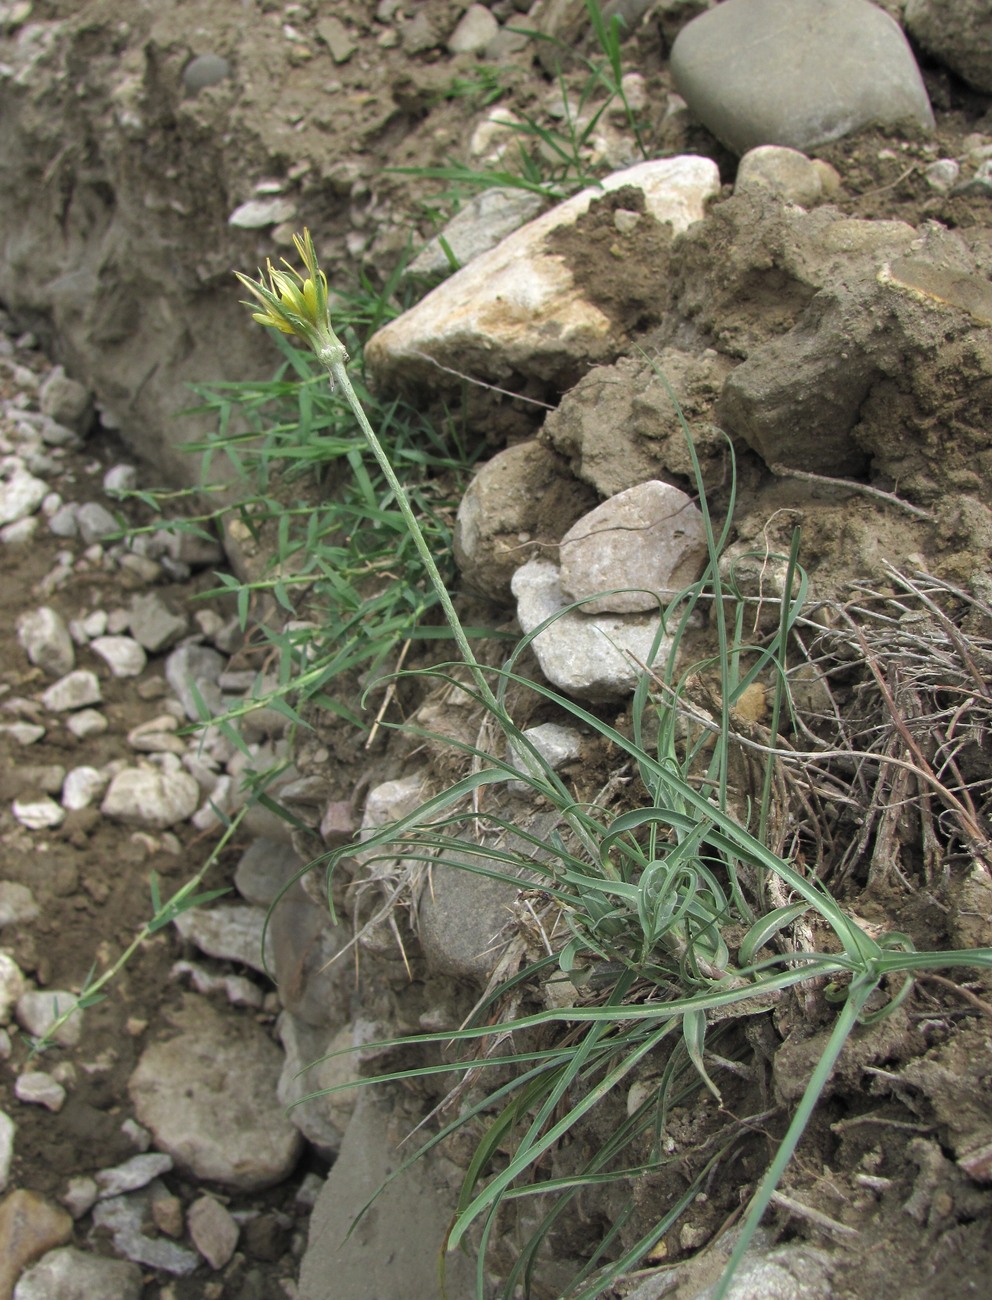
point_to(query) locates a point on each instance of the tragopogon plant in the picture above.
(297, 304)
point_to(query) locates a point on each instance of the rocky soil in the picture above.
(826, 305)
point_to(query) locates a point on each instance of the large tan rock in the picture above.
(519, 308)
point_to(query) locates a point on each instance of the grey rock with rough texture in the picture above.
(557, 745)
(45, 639)
(30, 1226)
(782, 171)
(263, 869)
(17, 904)
(95, 523)
(477, 227)
(463, 919)
(394, 1251)
(958, 33)
(73, 691)
(229, 932)
(192, 670)
(321, 1120)
(133, 1174)
(123, 655)
(81, 786)
(66, 401)
(797, 72)
(125, 1217)
(12, 986)
(258, 213)
(8, 1131)
(593, 657)
(650, 538)
(147, 796)
(87, 722)
(205, 70)
(20, 493)
(475, 29)
(515, 508)
(38, 1088)
(246, 1143)
(38, 1009)
(214, 1230)
(72, 1274)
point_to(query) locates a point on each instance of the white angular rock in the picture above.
(71, 1274)
(133, 1174)
(153, 624)
(80, 1195)
(475, 29)
(38, 1009)
(145, 796)
(247, 1143)
(45, 640)
(74, 691)
(119, 479)
(23, 733)
(82, 785)
(557, 745)
(593, 657)
(519, 304)
(238, 989)
(123, 654)
(20, 493)
(124, 1217)
(191, 671)
(38, 814)
(87, 722)
(12, 986)
(19, 533)
(477, 227)
(37, 1088)
(257, 213)
(7, 1132)
(650, 538)
(214, 1230)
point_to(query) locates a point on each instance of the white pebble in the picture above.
(88, 722)
(38, 814)
(36, 1088)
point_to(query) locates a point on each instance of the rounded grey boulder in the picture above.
(797, 72)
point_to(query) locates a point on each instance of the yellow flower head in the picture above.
(296, 303)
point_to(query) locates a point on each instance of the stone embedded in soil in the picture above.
(958, 34)
(263, 869)
(17, 905)
(238, 989)
(229, 932)
(80, 1195)
(214, 1230)
(8, 1132)
(66, 401)
(23, 733)
(205, 70)
(518, 307)
(146, 796)
(515, 508)
(797, 72)
(782, 171)
(122, 654)
(38, 1009)
(246, 1143)
(650, 538)
(594, 657)
(191, 671)
(38, 814)
(479, 225)
(71, 1274)
(12, 986)
(20, 492)
(133, 1174)
(557, 745)
(95, 523)
(81, 787)
(153, 624)
(258, 213)
(73, 691)
(87, 722)
(37, 1088)
(124, 1217)
(30, 1226)
(474, 31)
(45, 640)
(322, 1120)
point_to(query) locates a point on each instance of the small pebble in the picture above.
(36, 1088)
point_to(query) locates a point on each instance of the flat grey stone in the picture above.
(72, 1274)
(153, 624)
(797, 72)
(17, 904)
(245, 1143)
(556, 744)
(263, 869)
(650, 539)
(38, 814)
(125, 1217)
(477, 227)
(133, 1174)
(205, 70)
(38, 1009)
(66, 401)
(593, 657)
(196, 668)
(956, 32)
(73, 691)
(38, 1088)
(95, 523)
(147, 796)
(214, 1230)
(45, 639)
(257, 213)
(123, 655)
(229, 932)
